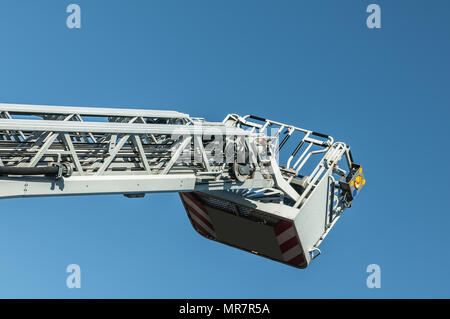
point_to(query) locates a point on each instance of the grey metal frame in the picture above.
(111, 143)
(132, 152)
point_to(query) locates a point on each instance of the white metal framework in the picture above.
(230, 166)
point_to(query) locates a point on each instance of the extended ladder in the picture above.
(229, 174)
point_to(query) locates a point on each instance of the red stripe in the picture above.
(288, 244)
(194, 200)
(297, 260)
(199, 205)
(281, 227)
(196, 226)
(200, 229)
(202, 218)
(183, 202)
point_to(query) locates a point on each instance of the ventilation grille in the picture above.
(218, 204)
(239, 210)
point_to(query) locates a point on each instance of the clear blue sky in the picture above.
(310, 63)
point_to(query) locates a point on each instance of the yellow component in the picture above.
(351, 184)
(364, 181)
(360, 170)
(358, 182)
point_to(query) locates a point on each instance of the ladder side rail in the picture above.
(25, 109)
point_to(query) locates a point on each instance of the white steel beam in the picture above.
(88, 111)
(86, 185)
(120, 128)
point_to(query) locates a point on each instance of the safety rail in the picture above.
(294, 168)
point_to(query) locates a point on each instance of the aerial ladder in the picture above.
(272, 189)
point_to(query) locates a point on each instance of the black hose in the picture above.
(53, 170)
